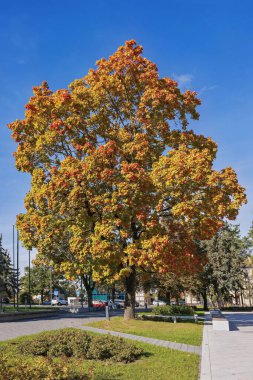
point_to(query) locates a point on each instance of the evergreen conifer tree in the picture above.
(7, 273)
(225, 270)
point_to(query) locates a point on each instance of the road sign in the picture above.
(77, 293)
(56, 292)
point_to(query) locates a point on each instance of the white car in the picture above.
(159, 303)
(114, 305)
(59, 301)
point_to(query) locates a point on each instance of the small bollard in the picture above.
(196, 318)
(107, 315)
(175, 319)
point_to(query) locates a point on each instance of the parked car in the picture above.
(114, 305)
(159, 303)
(46, 303)
(121, 303)
(98, 304)
(5, 300)
(59, 301)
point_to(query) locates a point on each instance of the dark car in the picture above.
(46, 303)
(5, 300)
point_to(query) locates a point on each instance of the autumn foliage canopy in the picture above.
(118, 179)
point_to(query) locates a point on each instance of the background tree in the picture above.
(225, 270)
(249, 242)
(168, 285)
(7, 273)
(40, 282)
(104, 200)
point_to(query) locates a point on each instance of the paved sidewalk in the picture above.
(227, 355)
(10, 330)
(157, 342)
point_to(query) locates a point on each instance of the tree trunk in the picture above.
(89, 296)
(130, 287)
(113, 293)
(219, 300)
(168, 297)
(89, 287)
(204, 296)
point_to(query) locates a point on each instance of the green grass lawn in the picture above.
(188, 333)
(156, 363)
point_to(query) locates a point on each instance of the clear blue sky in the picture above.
(206, 45)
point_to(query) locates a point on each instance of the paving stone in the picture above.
(228, 354)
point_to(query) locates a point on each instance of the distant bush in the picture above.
(173, 310)
(166, 318)
(78, 343)
(24, 298)
(237, 308)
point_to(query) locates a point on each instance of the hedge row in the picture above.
(173, 310)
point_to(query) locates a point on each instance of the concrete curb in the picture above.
(205, 367)
(18, 316)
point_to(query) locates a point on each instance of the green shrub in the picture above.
(38, 346)
(68, 343)
(173, 310)
(165, 318)
(115, 349)
(78, 343)
(41, 368)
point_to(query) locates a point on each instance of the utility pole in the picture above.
(51, 286)
(13, 259)
(29, 279)
(17, 270)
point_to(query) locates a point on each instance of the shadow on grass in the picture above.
(109, 376)
(119, 375)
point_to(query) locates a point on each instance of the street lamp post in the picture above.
(13, 261)
(17, 270)
(51, 287)
(29, 279)
(81, 292)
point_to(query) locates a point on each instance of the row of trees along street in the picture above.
(120, 185)
(224, 278)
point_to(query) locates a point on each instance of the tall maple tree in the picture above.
(105, 199)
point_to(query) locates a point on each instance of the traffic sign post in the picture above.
(107, 315)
